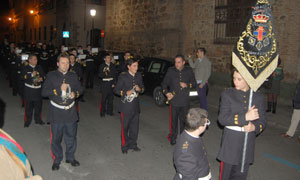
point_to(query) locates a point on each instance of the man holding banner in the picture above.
(242, 110)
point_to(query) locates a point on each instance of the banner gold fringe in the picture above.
(252, 82)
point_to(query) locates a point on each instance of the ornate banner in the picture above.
(255, 55)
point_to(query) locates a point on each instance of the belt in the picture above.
(62, 107)
(236, 128)
(88, 60)
(32, 86)
(107, 79)
(13, 63)
(208, 177)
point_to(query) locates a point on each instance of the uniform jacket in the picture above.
(52, 89)
(233, 107)
(171, 83)
(190, 158)
(125, 83)
(26, 76)
(105, 74)
(77, 69)
(90, 62)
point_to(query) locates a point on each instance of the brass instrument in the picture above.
(131, 97)
(106, 70)
(68, 94)
(168, 101)
(36, 78)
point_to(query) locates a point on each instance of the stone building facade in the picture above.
(163, 28)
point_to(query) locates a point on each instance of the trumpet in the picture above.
(168, 101)
(68, 94)
(36, 79)
(131, 97)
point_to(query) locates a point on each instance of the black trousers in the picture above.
(176, 113)
(68, 131)
(33, 107)
(233, 172)
(90, 73)
(129, 130)
(14, 82)
(107, 99)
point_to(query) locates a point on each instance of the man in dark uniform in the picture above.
(237, 119)
(33, 76)
(190, 157)
(62, 87)
(90, 68)
(107, 74)
(129, 85)
(44, 58)
(76, 68)
(176, 86)
(122, 62)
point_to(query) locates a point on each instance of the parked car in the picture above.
(153, 71)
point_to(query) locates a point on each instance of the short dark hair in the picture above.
(31, 56)
(71, 55)
(130, 61)
(105, 55)
(63, 55)
(202, 49)
(127, 52)
(196, 117)
(180, 56)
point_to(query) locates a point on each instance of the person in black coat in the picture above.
(62, 87)
(107, 74)
(129, 85)
(190, 156)
(44, 58)
(237, 119)
(33, 76)
(176, 86)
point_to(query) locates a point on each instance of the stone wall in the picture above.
(147, 27)
(163, 28)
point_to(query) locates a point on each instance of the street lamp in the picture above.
(93, 14)
(9, 18)
(31, 11)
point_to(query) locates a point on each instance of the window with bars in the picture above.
(230, 19)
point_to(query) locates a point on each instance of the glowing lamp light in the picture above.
(93, 12)
(9, 18)
(31, 11)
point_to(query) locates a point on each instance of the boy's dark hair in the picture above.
(130, 61)
(196, 117)
(180, 56)
(31, 56)
(63, 55)
(202, 49)
(105, 55)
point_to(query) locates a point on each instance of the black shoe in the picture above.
(73, 163)
(136, 149)
(40, 123)
(48, 123)
(111, 114)
(55, 167)
(102, 115)
(124, 151)
(173, 142)
(26, 125)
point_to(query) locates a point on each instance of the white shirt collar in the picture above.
(191, 134)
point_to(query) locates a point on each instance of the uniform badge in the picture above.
(185, 146)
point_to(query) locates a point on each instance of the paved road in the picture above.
(99, 143)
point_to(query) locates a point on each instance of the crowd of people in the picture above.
(37, 71)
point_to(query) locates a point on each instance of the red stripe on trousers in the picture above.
(77, 107)
(52, 155)
(100, 106)
(25, 118)
(170, 123)
(221, 171)
(122, 131)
